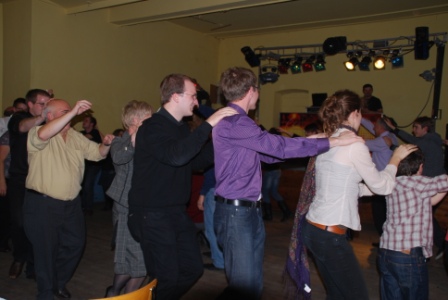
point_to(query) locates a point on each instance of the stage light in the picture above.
(283, 65)
(364, 63)
(252, 59)
(308, 65)
(269, 74)
(396, 59)
(352, 62)
(296, 66)
(319, 65)
(334, 45)
(379, 63)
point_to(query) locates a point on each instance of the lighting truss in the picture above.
(368, 48)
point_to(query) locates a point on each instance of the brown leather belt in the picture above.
(334, 229)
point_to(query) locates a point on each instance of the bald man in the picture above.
(53, 219)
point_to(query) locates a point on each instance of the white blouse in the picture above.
(338, 175)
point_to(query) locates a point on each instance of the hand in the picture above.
(388, 123)
(220, 114)
(81, 106)
(388, 141)
(344, 139)
(108, 138)
(201, 202)
(402, 151)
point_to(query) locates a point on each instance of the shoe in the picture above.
(207, 253)
(377, 245)
(62, 294)
(31, 275)
(16, 269)
(211, 267)
(108, 293)
(439, 254)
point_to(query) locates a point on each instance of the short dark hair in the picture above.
(410, 164)
(31, 96)
(367, 85)
(172, 84)
(18, 101)
(425, 122)
(312, 128)
(236, 82)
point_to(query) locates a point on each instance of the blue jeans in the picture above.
(403, 276)
(209, 210)
(270, 182)
(241, 235)
(336, 262)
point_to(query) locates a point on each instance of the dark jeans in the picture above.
(56, 229)
(241, 235)
(270, 182)
(336, 262)
(5, 222)
(403, 276)
(23, 250)
(170, 248)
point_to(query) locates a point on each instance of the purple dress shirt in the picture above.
(240, 145)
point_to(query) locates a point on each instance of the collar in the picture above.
(349, 128)
(237, 108)
(163, 112)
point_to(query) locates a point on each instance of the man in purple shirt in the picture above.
(239, 146)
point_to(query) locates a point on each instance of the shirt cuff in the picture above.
(323, 145)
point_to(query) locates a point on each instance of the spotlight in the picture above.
(296, 66)
(319, 65)
(364, 63)
(269, 74)
(283, 65)
(379, 63)
(396, 59)
(352, 62)
(252, 59)
(334, 45)
(308, 65)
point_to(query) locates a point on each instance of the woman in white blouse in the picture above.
(339, 173)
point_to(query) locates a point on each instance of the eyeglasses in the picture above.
(192, 95)
(41, 104)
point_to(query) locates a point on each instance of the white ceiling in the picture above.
(227, 18)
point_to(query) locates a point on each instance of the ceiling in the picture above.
(229, 18)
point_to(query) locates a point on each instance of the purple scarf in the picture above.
(297, 269)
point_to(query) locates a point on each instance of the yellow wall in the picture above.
(402, 91)
(84, 57)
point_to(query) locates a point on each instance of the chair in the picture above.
(145, 293)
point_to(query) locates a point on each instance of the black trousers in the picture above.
(56, 229)
(23, 251)
(170, 248)
(379, 212)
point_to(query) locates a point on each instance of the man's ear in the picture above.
(420, 170)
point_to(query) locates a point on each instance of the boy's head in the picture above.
(422, 126)
(412, 164)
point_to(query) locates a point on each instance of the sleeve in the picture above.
(408, 138)
(245, 133)
(368, 125)
(166, 146)
(34, 143)
(121, 150)
(381, 183)
(91, 150)
(14, 122)
(377, 145)
(209, 181)
(432, 186)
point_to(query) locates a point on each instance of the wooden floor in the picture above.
(95, 271)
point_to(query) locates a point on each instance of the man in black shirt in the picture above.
(18, 127)
(166, 153)
(370, 103)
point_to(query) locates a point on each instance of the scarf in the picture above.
(297, 270)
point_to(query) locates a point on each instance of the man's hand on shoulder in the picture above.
(346, 138)
(220, 114)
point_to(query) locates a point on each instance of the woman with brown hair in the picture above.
(339, 173)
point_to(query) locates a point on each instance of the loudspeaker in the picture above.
(421, 44)
(334, 45)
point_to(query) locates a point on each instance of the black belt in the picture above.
(36, 192)
(238, 202)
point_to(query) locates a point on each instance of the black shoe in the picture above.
(211, 267)
(62, 294)
(16, 269)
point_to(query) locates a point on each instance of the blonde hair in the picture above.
(337, 108)
(135, 109)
